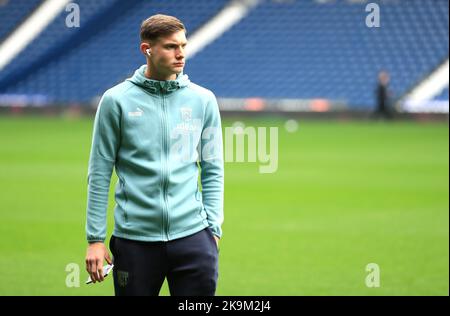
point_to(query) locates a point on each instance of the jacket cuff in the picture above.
(92, 239)
(216, 230)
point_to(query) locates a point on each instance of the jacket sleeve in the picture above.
(105, 144)
(212, 166)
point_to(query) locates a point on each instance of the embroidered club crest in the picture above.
(186, 114)
(122, 278)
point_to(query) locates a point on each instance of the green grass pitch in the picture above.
(345, 194)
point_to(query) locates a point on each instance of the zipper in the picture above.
(165, 171)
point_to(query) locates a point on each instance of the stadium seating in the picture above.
(13, 12)
(50, 43)
(282, 49)
(102, 52)
(443, 96)
(305, 49)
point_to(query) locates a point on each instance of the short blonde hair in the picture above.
(160, 25)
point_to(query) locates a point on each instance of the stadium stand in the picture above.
(282, 49)
(103, 51)
(305, 49)
(13, 12)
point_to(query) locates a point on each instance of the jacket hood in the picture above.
(155, 86)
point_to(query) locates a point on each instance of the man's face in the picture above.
(168, 53)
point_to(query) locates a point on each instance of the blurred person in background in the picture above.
(383, 96)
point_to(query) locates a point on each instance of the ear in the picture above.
(144, 47)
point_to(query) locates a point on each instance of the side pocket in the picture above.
(211, 235)
(125, 215)
(198, 198)
(123, 188)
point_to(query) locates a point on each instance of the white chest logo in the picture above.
(138, 112)
(186, 114)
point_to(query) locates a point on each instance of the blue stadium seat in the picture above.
(77, 65)
(282, 49)
(305, 49)
(443, 96)
(13, 12)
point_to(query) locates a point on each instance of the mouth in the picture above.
(179, 64)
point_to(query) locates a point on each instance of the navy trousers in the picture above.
(190, 265)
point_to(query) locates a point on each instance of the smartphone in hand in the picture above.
(106, 270)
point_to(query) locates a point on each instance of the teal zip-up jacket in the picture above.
(156, 134)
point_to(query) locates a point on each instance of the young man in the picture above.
(156, 129)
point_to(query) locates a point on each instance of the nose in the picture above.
(180, 53)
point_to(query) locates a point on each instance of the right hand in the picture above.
(96, 253)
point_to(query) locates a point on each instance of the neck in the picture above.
(152, 73)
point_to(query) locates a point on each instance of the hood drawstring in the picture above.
(154, 86)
